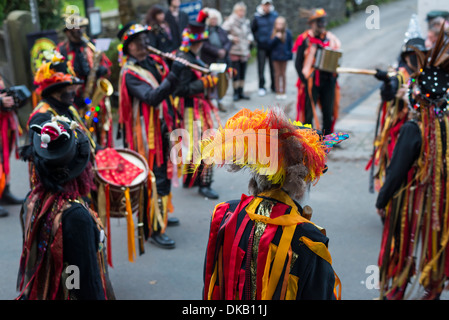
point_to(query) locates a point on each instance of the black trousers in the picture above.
(325, 94)
(240, 67)
(163, 183)
(262, 56)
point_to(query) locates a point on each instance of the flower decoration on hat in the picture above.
(267, 143)
(134, 30)
(125, 35)
(195, 31)
(312, 14)
(55, 72)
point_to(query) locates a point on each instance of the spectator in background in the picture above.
(261, 26)
(435, 20)
(177, 20)
(239, 32)
(216, 48)
(281, 52)
(160, 34)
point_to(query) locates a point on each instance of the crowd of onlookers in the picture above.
(230, 41)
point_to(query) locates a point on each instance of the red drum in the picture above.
(117, 199)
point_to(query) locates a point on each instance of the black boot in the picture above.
(3, 212)
(242, 95)
(208, 192)
(236, 96)
(162, 240)
(9, 198)
(172, 221)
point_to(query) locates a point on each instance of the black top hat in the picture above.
(60, 151)
(417, 43)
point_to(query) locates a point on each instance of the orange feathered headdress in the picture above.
(268, 143)
(54, 74)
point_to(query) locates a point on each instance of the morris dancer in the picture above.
(194, 102)
(413, 197)
(60, 231)
(89, 65)
(316, 86)
(254, 240)
(147, 116)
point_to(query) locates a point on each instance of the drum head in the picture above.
(139, 177)
(137, 162)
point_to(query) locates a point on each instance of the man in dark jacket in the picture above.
(262, 26)
(177, 20)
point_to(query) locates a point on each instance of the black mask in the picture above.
(67, 97)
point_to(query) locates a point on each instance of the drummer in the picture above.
(147, 117)
(316, 86)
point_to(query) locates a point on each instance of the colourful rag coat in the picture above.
(262, 248)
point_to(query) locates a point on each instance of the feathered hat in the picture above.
(268, 143)
(195, 31)
(312, 14)
(54, 75)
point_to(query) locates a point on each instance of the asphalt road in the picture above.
(341, 201)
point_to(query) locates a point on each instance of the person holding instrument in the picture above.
(147, 117)
(89, 65)
(314, 85)
(193, 96)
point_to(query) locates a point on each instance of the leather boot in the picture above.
(236, 96)
(3, 212)
(172, 221)
(9, 198)
(208, 192)
(242, 95)
(162, 240)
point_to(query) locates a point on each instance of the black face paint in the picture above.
(413, 60)
(321, 22)
(68, 97)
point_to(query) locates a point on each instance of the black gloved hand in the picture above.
(382, 75)
(177, 68)
(101, 71)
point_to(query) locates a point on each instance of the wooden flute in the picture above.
(170, 56)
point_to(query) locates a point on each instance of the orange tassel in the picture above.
(130, 225)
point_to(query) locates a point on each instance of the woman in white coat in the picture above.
(239, 32)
